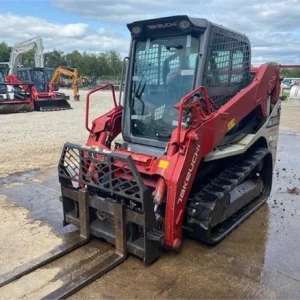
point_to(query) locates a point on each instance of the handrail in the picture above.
(208, 103)
(87, 109)
(199, 55)
(122, 77)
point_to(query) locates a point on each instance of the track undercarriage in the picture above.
(230, 197)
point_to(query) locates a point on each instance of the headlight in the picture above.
(136, 30)
(184, 24)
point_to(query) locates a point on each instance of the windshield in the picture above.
(163, 73)
(38, 78)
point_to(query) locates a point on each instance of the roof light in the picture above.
(136, 30)
(184, 24)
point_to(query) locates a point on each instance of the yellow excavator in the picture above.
(71, 72)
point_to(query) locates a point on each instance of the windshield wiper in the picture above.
(139, 93)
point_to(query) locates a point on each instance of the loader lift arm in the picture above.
(71, 72)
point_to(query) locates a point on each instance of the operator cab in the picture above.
(169, 57)
(37, 76)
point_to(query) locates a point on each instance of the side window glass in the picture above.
(222, 61)
(218, 67)
(237, 67)
(22, 75)
(19, 75)
(192, 60)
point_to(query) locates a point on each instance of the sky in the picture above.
(273, 26)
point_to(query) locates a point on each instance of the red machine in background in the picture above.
(43, 95)
(14, 97)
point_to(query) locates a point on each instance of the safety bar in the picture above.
(87, 111)
(199, 55)
(208, 104)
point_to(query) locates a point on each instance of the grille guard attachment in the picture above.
(113, 174)
(97, 168)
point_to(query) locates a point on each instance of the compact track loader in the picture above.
(14, 97)
(42, 94)
(199, 144)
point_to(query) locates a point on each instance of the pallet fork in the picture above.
(97, 271)
(111, 262)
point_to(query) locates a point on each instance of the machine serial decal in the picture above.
(189, 174)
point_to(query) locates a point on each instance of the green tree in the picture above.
(4, 52)
(55, 58)
(103, 65)
(28, 59)
(91, 67)
(115, 63)
(293, 73)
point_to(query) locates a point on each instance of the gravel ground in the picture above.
(34, 140)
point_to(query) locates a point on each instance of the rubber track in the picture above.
(201, 204)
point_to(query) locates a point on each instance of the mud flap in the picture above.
(105, 180)
(51, 104)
